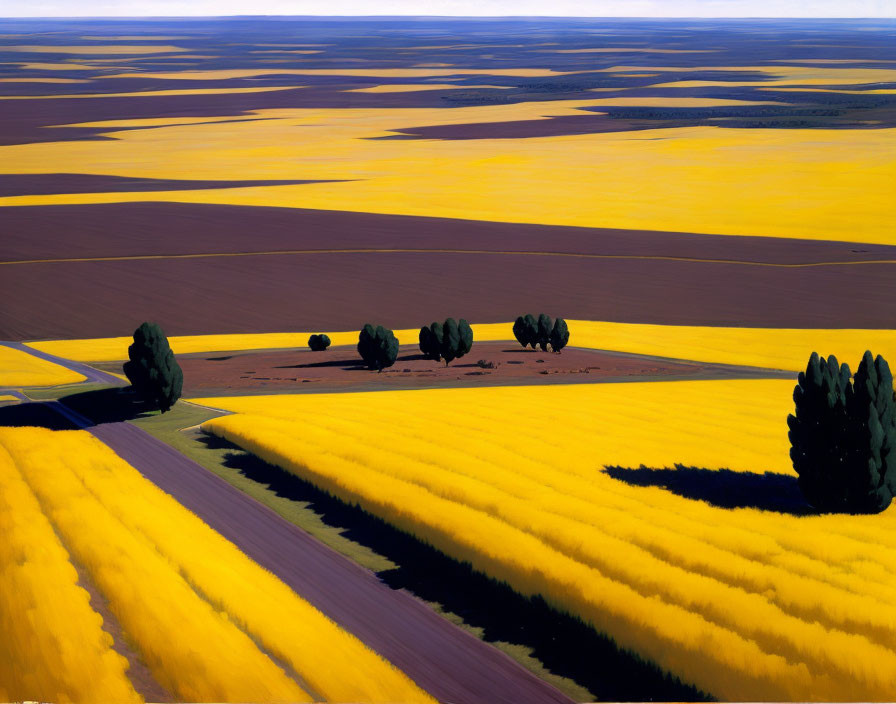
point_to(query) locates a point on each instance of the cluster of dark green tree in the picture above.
(446, 341)
(843, 435)
(541, 332)
(318, 343)
(377, 346)
(152, 369)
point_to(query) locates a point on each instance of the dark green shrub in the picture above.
(430, 341)
(559, 335)
(377, 346)
(525, 330)
(543, 334)
(152, 369)
(318, 343)
(843, 435)
(448, 341)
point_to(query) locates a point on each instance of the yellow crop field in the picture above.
(743, 603)
(194, 606)
(53, 647)
(19, 368)
(775, 348)
(803, 183)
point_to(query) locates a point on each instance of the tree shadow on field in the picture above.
(563, 644)
(722, 487)
(110, 405)
(39, 415)
(355, 363)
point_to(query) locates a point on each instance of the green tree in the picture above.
(543, 332)
(466, 337)
(842, 435)
(525, 330)
(450, 340)
(430, 342)
(446, 341)
(152, 369)
(377, 346)
(873, 411)
(319, 343)
(559, 335)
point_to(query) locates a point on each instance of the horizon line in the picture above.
(444, 16)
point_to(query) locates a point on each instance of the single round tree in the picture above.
(152, 369)
(377, 346)
(843, 435)
(319, 343)
(559, 335)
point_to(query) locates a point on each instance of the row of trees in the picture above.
(843, 435)
(158, 379)
(541, 332)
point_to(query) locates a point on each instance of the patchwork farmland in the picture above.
(577, 484)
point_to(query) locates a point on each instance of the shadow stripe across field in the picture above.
(446, 661)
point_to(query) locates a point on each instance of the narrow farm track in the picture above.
(448, 662)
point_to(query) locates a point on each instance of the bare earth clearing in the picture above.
(340, 369)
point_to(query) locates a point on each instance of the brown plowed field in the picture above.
(486, 275)
(340, 369)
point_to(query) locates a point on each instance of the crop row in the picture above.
(742, 603)
(210, 624)
(53, 647)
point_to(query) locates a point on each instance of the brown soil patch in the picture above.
(340, 369)
(343, 291)
(123, 229)
(638, 276)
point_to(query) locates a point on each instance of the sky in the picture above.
(562, 8)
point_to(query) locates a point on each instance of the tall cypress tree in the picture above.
(843, 434)
(152, 369)
(873, 410)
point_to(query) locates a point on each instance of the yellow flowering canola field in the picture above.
(744, 604)
(205, 618)
(776, 348)
(803, 183)
(19, 368)
(53, 646)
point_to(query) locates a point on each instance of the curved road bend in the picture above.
(449, 663)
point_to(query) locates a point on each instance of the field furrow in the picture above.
(53, 647)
